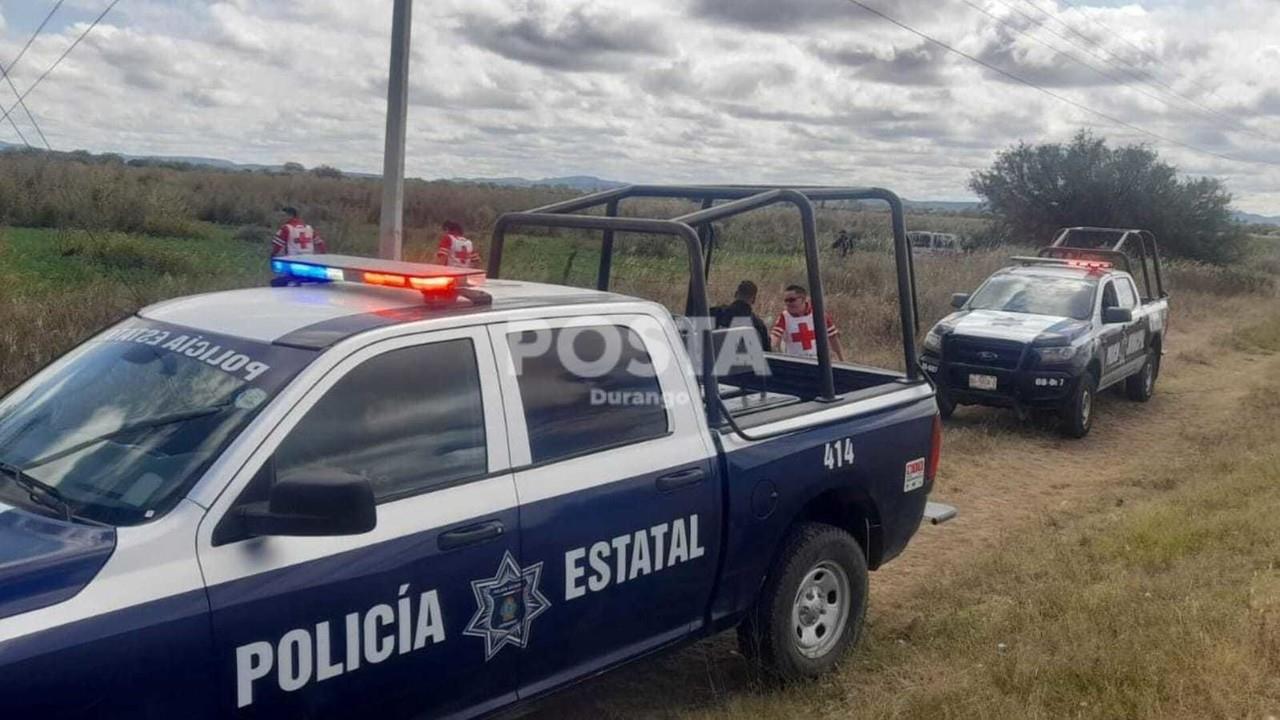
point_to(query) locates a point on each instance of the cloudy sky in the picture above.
(813, 91)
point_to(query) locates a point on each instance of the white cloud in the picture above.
(684, 90)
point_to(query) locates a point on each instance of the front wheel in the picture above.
(1077, 413)
(812, 607)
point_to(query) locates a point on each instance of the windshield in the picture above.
(123, 425)
(1037, 295)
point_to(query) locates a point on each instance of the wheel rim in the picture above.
(1086, 407)
(821, 609)
(1149, 377)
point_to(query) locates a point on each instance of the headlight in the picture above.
(933, 342)
(1058, 354)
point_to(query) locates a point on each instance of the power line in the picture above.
(8, 78)
(5, 71)
(1056, 51)
(61, 57)
(1050, 93)
(1151, 79)
(1135, 46)
(1210, 111)
(12, 122)
(32, 39)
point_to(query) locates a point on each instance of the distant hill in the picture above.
(953, 206)
(582, 183)
(1255, 219)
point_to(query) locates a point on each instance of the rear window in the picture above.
(588, 391)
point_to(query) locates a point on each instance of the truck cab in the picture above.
(413, 491)
(1051, 331)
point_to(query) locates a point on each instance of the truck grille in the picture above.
(1004, 354)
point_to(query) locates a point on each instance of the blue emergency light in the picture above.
(433, 281)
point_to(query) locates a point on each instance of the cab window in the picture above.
(408, 420)
(1109, 297)
(592, 388)
(1127, 295)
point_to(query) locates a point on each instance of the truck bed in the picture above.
(791, 389)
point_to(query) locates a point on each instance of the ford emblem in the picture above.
(988, 356)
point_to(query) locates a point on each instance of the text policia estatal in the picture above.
(325, 650)
(192, 346)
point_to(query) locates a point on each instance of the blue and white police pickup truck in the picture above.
(403, 490)
(1052, 331)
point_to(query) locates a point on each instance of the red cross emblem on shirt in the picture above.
(303, 241)
(804, 335)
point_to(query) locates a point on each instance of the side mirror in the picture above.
(1116, 315)
(317, 504)
(959, 299)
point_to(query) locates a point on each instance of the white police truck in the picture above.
(1052, 331)
(403, 490)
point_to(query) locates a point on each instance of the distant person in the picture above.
(295, 237)
(845, 241)
(793, 333)
(455, 249)
(744, 300)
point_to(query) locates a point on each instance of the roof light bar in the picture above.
(1091, 264)
(1064, 262)
(430, 280)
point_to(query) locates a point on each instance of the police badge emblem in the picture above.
(506, 605)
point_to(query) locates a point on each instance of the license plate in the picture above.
(982, 382)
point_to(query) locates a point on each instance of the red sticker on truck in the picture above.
(914, 477)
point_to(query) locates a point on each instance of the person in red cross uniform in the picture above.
(794, 331)
(295, 237)
(455, 250)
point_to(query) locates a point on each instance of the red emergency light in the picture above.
(1091, 264)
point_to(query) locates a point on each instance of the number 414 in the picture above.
(838, 454)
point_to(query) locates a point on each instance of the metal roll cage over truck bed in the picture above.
(1112, 245)
(695, 230)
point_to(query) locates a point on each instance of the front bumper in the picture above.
(1018, 388)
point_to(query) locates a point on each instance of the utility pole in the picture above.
(391, 227)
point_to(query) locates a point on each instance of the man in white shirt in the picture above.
(794, 331)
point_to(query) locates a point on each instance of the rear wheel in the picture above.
(1141, 385)
(1077, 413)
(812, 607)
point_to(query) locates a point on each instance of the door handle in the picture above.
(680, 479)
(470, 535)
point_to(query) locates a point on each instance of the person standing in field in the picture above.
(295, 237)
(794, 331)
(455, 249)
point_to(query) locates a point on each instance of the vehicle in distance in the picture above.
(407, 490)
(1054, 330)
(935, 243)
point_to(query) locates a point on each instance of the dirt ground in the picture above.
(1004, 476)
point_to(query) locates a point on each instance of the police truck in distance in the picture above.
(392, 489)
(1052, 331)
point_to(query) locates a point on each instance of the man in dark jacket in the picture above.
(741, 307)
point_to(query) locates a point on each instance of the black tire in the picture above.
(1077, 412)
(1141, 385)
(946, 406)
(795, 631)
